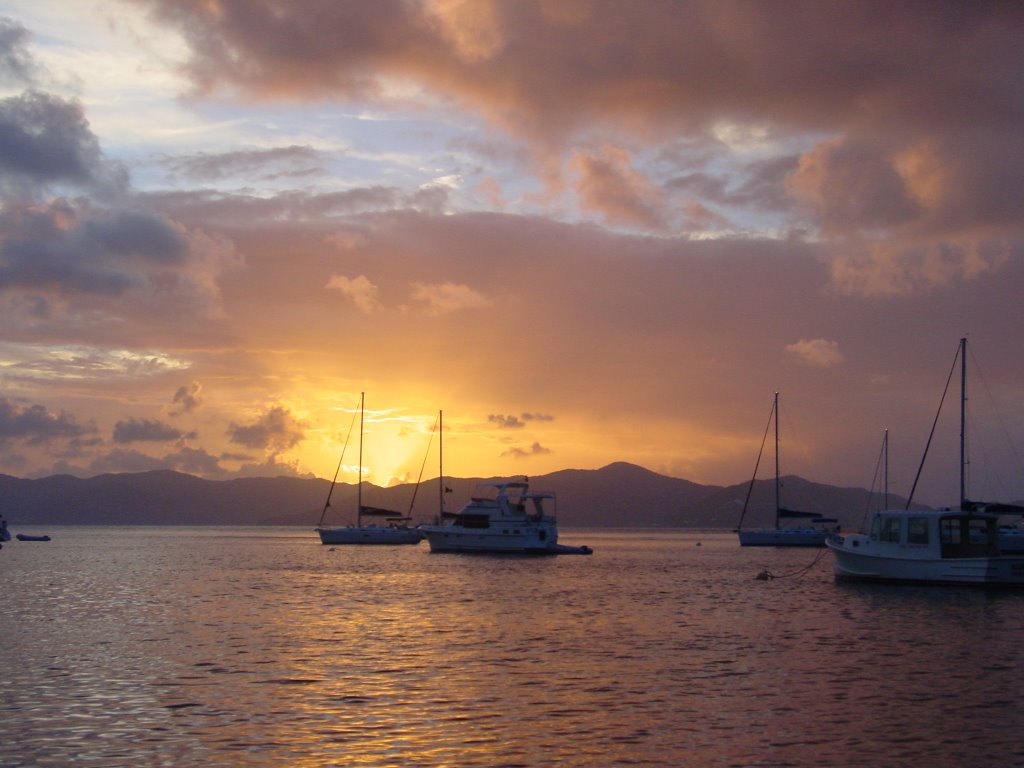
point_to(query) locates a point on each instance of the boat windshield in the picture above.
(968, 536)
(513, 491)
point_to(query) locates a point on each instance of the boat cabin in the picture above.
(506, 500)
(952, 533)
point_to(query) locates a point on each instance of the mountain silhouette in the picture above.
(618, 495)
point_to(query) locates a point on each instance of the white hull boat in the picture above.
(397, 530)
(931, 547)
(528, 539)
(369, 534)
(947, 546)
(812, 535)
(512, 519)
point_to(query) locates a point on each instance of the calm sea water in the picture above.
(261, 647)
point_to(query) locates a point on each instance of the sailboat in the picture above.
(812, 535)
(396, 529)
(943, 546)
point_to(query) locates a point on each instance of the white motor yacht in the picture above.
(507, 517)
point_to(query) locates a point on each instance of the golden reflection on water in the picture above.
(267, 649)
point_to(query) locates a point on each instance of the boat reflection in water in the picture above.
(510, 518)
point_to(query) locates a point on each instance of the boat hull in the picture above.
(783, 537)
(530, 540)
(854, 560)
(369, 534)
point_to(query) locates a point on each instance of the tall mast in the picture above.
(963, 420)
(885, 474)
(440, 460)
(778, 483)
(359, 491)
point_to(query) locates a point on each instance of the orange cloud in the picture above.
(852, 187)
(608, 184)
(899, 268)
(820, 353)
(443, 298)
(359, 290)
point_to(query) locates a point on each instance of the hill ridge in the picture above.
(619, 494)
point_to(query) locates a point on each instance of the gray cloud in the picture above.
(275, 430)
(45, 139)
(537, 417)
(191, 460)
(536, 67)
(35, 424)
(17, 66)
(520, 453)
(146, 430)
(57, 246)
(505, 422)
(264, 164)
(187, 398)
(125, 460)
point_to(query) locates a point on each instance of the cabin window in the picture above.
(978, 531)
(917, 530)
(890, 530)
(967, 536)
(950, 531)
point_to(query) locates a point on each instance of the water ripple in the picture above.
(259, 647)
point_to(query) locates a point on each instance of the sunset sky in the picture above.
(588, 231)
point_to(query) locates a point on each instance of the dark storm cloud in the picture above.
(191, 460)
(46, 139)
(907, 115)
(146, 430)
(35, 424)
(558, 65)
(275, 430)
(82, 251)
(125, 460)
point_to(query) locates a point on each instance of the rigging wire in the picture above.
(757, 464)
(422, 467)
(338, 468)
(920, 468)
(1019, 465)
(879, 469)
